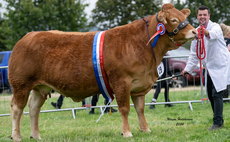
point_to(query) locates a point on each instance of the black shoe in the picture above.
(113, 110)
(108, 109)
(91, 112)
(55, 105)
(151, 106)
(215, 127)
(169, 105)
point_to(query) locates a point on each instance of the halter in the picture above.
(175, 31)
(170, 34)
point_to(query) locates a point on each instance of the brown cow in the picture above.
(62, 61)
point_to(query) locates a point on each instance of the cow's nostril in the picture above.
(194, 32)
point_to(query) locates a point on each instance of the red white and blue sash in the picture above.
(98, 65)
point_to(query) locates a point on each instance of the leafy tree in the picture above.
(2, 45)
(40, 15)
(111, 13)
(178, 4)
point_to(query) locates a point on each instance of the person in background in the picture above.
(216, 63)
(163, 70)
(59, 103)
(226, 33)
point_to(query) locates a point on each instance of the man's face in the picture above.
(203, 17)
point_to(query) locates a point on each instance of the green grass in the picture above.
(61, 127)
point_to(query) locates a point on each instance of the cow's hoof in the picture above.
(127, 134)
(38, 138)
(16, 139)
(10, 137)
(146, 130)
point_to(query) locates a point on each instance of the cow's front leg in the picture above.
(123, 102)
(35, 104)
(139, 104)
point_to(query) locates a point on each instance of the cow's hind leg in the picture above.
(18, 103)
(139, 104)
(35, 104)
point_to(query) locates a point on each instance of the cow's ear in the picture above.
(186, 12)
(162, 17)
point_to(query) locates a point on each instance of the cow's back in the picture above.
(62, 60)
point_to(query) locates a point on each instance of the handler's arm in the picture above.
(193, 59)
(215, 32)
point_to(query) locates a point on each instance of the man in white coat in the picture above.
(216, 63)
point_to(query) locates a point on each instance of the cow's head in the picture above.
(178, 29)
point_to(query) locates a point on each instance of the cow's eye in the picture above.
(174, 20)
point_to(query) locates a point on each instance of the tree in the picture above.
(24, 16)
(178, 4)
(111, 13)
(2, 45)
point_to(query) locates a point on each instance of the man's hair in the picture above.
(203, 7)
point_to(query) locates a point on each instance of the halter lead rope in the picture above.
(200, 48)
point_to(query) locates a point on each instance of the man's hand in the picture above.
(174, 78)
(184, 73)
(206, 32)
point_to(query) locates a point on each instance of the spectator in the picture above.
(216, 63)
(163, 70)
(226, 33)
(59, 102)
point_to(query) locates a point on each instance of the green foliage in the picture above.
(2, 37)
(178, 4)
(24, 16)
(111, 13)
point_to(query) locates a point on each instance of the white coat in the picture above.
(217, 60)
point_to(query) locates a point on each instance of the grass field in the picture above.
(61, 127)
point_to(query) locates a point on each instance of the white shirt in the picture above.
(217, 60)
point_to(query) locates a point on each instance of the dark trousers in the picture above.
(94, 101)
(216, 99)
(60, 100)
(158, 90)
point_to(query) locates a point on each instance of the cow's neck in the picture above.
(135, 36)
(163, 42)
